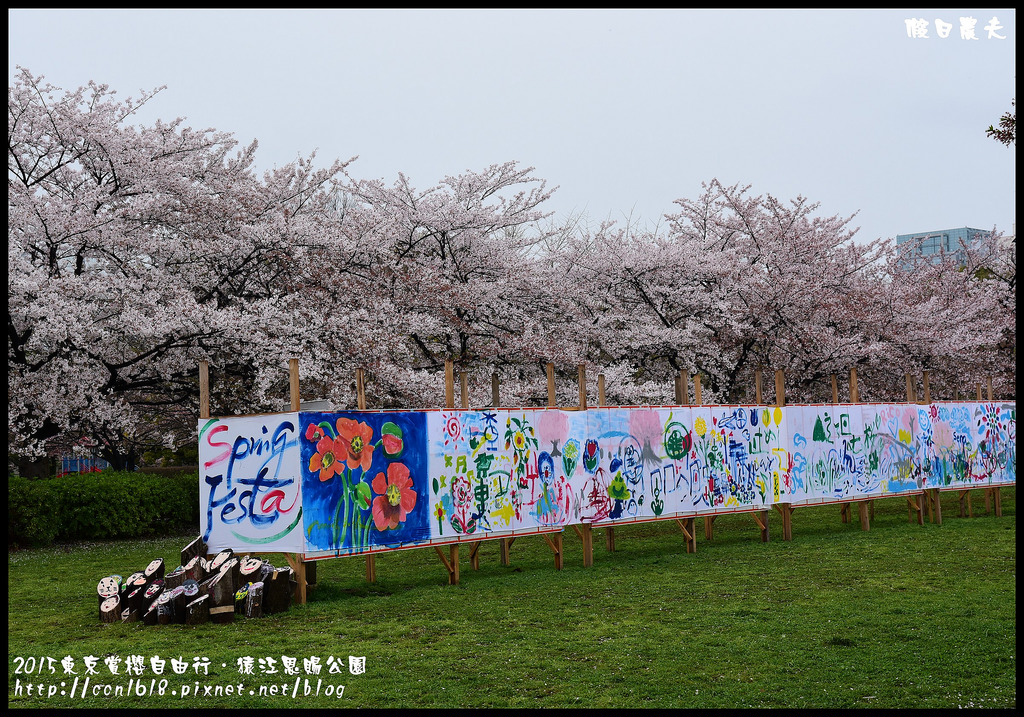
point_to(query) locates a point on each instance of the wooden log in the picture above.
(231, 565)
(219, 559)
(152, 614)
(190, 590)
(587, 536)
(195, 569)
(609, 539)
(197, 548)
(254, 601)
(222, 598)
(174, 578)
(178, 604)
(197, 612)
(129, 615)
(277, 593)
(249, 569)
(155, 570)
(110, 609)
(240, 595)
(135, 580)
(136, 600)
(165, 608)
(108, 587)
(153, 591)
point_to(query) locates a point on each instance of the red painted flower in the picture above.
(355, 437)
(395, 497)
(325, 459)
(314, 432)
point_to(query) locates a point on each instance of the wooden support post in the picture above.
(449, 384)
(684, 382)
(844, 513)
(979, 391)
(551, 385)
(451, 563)
(689, 533)
(709, 526)
(464, 381)
(853, 386)
(965, 495)
(761, 518)
(780, 388)
(495, 394)
(925, 388)
(600, 389)
(293, 382)
(835, 390)
(990, 399)
(786, 511)
(696, 388)
(911, 390)
(587, 537)
(503, 545)
(299, 567)
(937, 510)
(757, 387)
(609, 538)
(678, 395)
(865, 520)
(915, 507)
(360, 390)
(583, 387)
(204, 389)
(474, 555)
(371, 568)
(554, 542)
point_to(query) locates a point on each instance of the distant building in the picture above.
(932, 245)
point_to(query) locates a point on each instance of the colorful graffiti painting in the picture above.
(349, 482)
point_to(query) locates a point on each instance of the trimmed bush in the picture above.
(111, 504)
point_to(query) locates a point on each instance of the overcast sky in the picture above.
(623, 110)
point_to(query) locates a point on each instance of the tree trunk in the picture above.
(110, 609)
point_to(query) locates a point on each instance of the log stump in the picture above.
(277, 591)
(110, 609)
(197, 548)
(254, 600)
(155, 570)
(175, 578)
(197, 612)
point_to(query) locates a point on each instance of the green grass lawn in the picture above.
(901, 615)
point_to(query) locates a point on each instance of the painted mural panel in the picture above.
(827, 450)
(353, 481)
(472, 481)
(249, 483)
(365, 480)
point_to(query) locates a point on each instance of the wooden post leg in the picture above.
(998, 502)
(371, 568)
(555, 543)
(865, 521)
(844, 513)
(587, 535)
(709, 530)
(300, 581)
(454, 577)
(988, 500)
(503, 546)
(761, 518)
(609, 536)
(474, 555)
(937, 498)
(963, 497)
(686, 525)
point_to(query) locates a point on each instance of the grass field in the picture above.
(899, 616)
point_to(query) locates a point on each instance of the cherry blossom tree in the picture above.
(134, 252)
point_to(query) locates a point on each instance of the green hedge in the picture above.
(111, 504)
